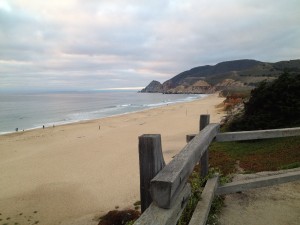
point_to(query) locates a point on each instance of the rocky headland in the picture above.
(237, 74)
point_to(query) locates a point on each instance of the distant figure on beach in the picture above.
(99, 127)
(43, 127)
(17, 129)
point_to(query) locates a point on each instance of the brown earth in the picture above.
(276, 205)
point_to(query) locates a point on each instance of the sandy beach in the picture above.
(77, 172)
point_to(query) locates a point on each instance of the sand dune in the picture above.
(77, 172)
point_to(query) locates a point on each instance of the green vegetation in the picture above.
(215, 209)
(197, 183)
(131, 222)
(290, 166)
(256, 155)
(271, 105)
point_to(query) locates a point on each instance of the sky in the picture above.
(99, 44)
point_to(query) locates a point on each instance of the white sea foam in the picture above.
(47, 109)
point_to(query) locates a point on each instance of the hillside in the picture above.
(244, 73)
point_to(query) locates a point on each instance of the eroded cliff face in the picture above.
(198, 87)
(228, 83)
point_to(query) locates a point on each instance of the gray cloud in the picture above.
(101, 44)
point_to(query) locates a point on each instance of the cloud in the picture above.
(78, 44)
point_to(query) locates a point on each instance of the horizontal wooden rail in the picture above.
(169, 182)
(257, 134)
(253, 135)
(258, 183)
(169, 189)
(203, 207)
(158, 216)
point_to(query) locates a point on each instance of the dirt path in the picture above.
(276, 205)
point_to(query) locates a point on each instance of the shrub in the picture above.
(272, 105)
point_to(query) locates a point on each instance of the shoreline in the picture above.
(77, 171)
(61, 123)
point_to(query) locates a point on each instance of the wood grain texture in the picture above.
(168, 183)
(203, 207)
(151, 162)
(258, 182)
(155, 215)
(204, 121)
(257, 134)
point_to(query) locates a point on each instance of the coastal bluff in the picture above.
(236, 74)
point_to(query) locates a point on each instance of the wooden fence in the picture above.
(164, 188)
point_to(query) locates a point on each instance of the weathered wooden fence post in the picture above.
(204, 121)
(151, 162)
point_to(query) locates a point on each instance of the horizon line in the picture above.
(120, 88)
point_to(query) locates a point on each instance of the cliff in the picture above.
(244, 73)
(199, 87)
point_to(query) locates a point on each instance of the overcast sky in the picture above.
(95, 44)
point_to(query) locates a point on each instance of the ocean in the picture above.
(24, 111)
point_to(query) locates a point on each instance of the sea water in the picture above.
(35, 110)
